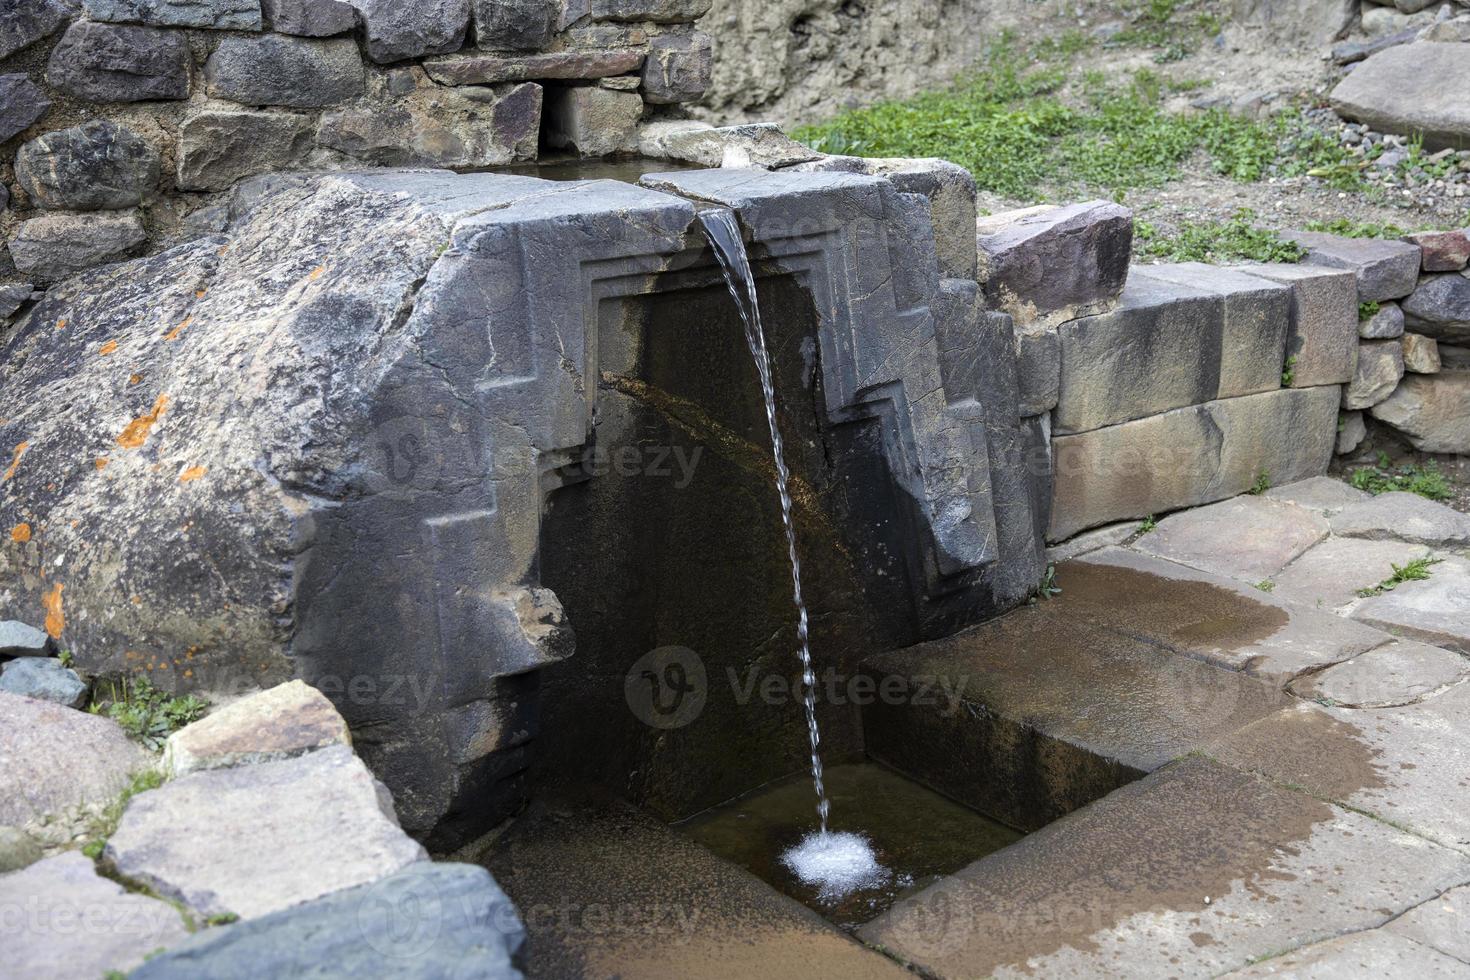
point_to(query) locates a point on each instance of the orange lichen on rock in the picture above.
(107, 348)
(192, 473)
(15, 463)
(55, 621)
(100, 462)
(135, 379)
(137, 431)
(317, 272)
(183, 325)
(61, 324)
(21, 533)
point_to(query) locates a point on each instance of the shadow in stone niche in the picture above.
(668, 535)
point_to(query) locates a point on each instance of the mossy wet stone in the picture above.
(98, 165)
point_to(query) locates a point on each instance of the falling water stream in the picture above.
(838, 862)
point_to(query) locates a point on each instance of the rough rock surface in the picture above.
(1411, 89)
(220, 15)
(1439, 924)
(53, 758)
(514, 25)
(1330, 575)
(1444, 251)
(288, 720)
(437, 127)
(1020, 252)
(182, 841)
(1249, 538)
(17, 850)
(310, 18)
(1370, 953)
(1440, 308)
(397, 31)
(1402, 516)
(1432, 411)
(54, 246)
(1380, 368)
(488, 69)
(1386, 323)
(22, 104)
(754, 145)
(1351, 431)
(218, 146)
(1320, 344)
(43, 679)
(97, 165)
(1396, 673)
(593, 121)
(23, 640)
(677, 69)
(23, 24)
(1320, 493)
(284, 71)
(1421, 354)
(1386, 270)
(70, 922)
(1435, 610)
(428, 920)
(120, 63)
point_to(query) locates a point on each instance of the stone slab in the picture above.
(1321, 341)
(64, 921)
(219, 15)
(1250, 538)
(257, 839)
(1411, 89)
(1401, 516)
(1330, 574)
(1385, 269)
(607, 891)
(488, 69)
(1234, 869)
(1441, 923)
(1435, 610)
(1324, 494)
(1395, 674)
(1090, 541)
(288, 720)
(53, 758)
(1368, 954)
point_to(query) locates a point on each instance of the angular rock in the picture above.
(1380, 368)
(1441, 923)
(461, 127)
(22, 104)
(1387, 323)
(285, 71)
(1385, 269)
(17, 850)
(21, 639)
(53, 758)
(1055, 263)
(1442, 251)
(1322, 494)
(95, 166)
(1038, 370)
(311, 18)
(288, 720)
(24, 23)
(1402, 516)
(459, 924)
(1330, 575)
(220, 146)
(261, 838)
(1249, 538)
(1454, 358)
(1421, 354)
(45, 680)
(1190, 456)
(1411, 89)
(1090, 541)
(72, 922)
(13, 298)
(1432, 411)
(54, 246)
(751, 145)
(514, 25)
(1351, 431)
(1351, 52)
(644, 11)
(120, 63)
(397, 31)
(1371, 953)
(487, 69)
(593, 121)
(678, 68)
(1440, 308)
(1324, 322)
(1393, 675)
(219, 15)
(1435, 610)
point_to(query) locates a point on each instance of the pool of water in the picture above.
(919, 836)
(627, 169)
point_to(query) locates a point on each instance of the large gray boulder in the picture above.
(1440, 308)
(1431, 410)
(285, 71)
(97, 165)
(1411, 89)
(120, 63)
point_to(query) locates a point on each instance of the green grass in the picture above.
(1237, 239)
(1348, 228)
(147, 714)
(1266, 585)
(1415, 571)
(1368, 310)
(1149, 524)
(1427, 480)
(1288, 374)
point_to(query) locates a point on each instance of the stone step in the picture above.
(606, 891)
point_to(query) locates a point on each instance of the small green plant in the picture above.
(1237, 238)
(1266, 585)
(1426, 480)
(1288, 375)
(222, 919)
(1048, 588)
(147, 714)
(1149, 523)
(66, 658)
(1262, 484)
(105, 823)
(1368, 310)
(1347, 228)
(1415, 571)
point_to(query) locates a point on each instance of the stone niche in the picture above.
(459, 450)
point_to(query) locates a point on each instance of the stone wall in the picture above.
(120, 120)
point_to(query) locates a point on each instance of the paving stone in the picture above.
(256, 839)
(1411, 89)
(1190, 456)
(1324, 494)
(1324, 322)
(428, 920)
(311, 18)
(220, 15)
(23, 24)
(1235, 869)
(97, 165)
(1249, 538)
(1443, 251)
(285, 71)
(593, 121)
(23, 640)
(43, 679)
(1421, 354)
(1023, 254)
(1400, 516)
(66, 921)
(1209, 616)
(1385, 269)
(54, 246)
(488, 69)
(1440, 308)
(1380, 368)
(1089, 541)
(17, 850)
(22, 105)
(53, 758)
(1435, 610)
(1351, 431)
(514, 25)
(1330, 574)
(120, 63)
(1395, 674)
(1388, 322)
(285, 721)
(218, 147)
(1372, 953)
(678, 69)
(1441, 923)
(397, 31)
(1431, 410)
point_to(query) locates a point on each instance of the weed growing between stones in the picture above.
(1288, 374)
(1262, 484)
(1266, 585)
(147, 714)
(1415, 571)
(1150, 523)
(1215, 242)
(1367, 311)
(1427, 480)
(105, 823)
(1047, 588)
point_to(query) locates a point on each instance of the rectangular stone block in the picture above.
(220, 15)
(513, 25)
(1055, 263)
(1039, 370)
(1384, 269)
(1321, 342)
(487, 69)
(1190, 456)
